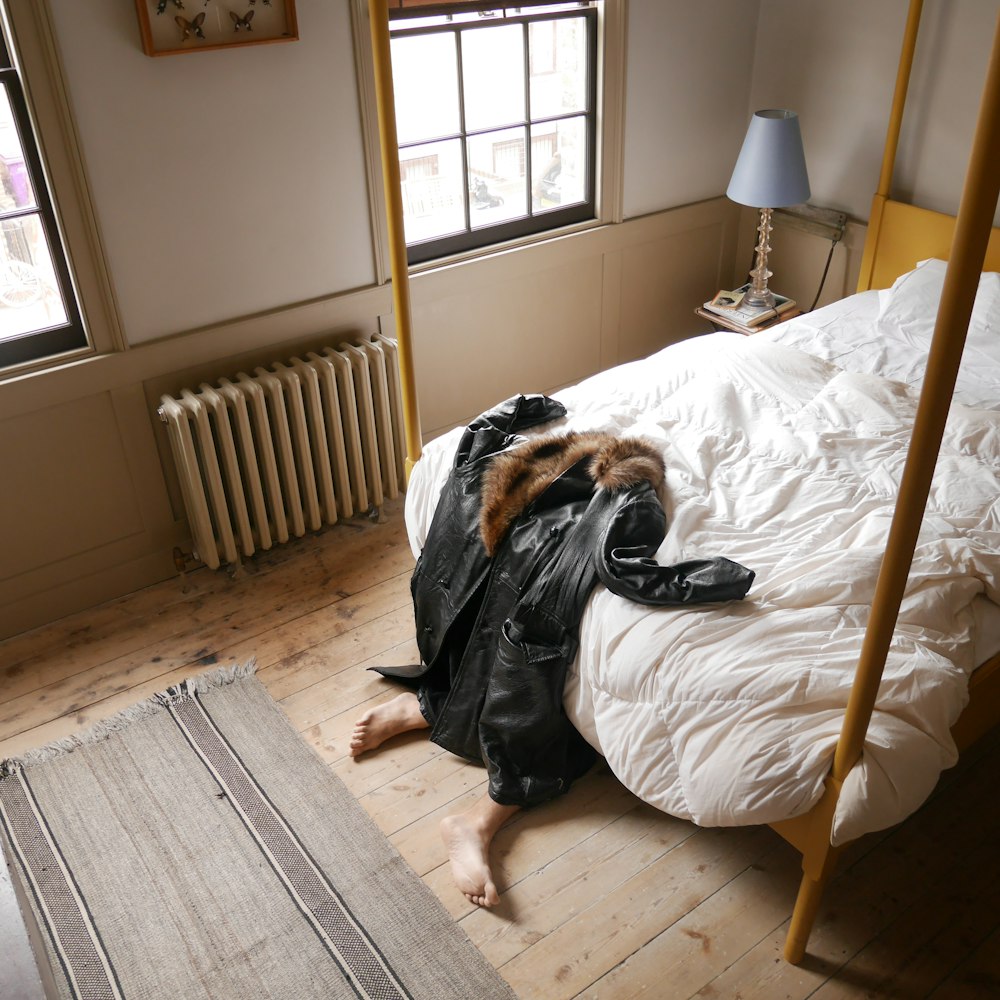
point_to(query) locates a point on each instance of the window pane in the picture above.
(493, 75)
(497, 177)
(29, 297)
(560, 178)
(433, 190)
(498, 172)
(15, 184)
(425, 82)
(558, 54)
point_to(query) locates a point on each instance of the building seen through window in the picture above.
(495, 118)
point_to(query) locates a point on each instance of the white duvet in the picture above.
(729, 714)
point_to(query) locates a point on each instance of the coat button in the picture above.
(428, 628)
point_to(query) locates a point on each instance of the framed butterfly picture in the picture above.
(169, 27)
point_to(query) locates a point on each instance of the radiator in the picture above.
(294, 447)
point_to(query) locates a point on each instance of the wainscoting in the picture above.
(91, 508)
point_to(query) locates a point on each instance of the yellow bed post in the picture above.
(972, 232)
(378, 15)
(891, 144)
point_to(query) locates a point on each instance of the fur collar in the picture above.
(518, 476)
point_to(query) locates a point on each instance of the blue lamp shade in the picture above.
(771, 169)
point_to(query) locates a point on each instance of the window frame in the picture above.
(479, 237)
(609, 140)
(31, 43)
(71, 335)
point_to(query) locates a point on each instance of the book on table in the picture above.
(732, 306)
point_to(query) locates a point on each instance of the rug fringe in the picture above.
(153, 705)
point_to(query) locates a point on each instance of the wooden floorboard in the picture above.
(603, 897)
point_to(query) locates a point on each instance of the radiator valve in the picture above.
(182, 560)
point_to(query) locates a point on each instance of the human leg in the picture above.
(399, 715)
(468, 836)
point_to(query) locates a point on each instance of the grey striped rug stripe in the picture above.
(85, 963)
(354, 951)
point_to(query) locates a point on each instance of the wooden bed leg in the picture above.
(806, 906)
(810, 833)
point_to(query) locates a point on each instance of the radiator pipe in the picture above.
(378, 14)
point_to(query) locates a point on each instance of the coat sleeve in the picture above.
(626, 566)
(495, 429)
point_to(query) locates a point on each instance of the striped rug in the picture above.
(195, 847)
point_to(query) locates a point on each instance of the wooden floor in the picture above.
(603, 896)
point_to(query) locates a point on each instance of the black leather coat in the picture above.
(497, 632)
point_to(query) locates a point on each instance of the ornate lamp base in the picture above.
(759, 294)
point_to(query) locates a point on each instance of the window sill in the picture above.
(498, 249)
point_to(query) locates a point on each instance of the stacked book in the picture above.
(731, 306)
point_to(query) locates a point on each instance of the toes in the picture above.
(485, 902)
(360, 739)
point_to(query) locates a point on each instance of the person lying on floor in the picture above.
(523, 531)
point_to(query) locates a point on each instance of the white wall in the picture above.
(835, 64)
(226, 182)
(233, 182)
(689, 74)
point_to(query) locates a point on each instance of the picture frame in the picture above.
(170, 27)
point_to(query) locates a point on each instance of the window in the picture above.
(496, 118)
(39, 315)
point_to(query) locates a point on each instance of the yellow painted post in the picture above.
(961, 282)
(378, 14)
(972, 232)
(891, 143)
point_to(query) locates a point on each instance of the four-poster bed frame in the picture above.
(898, 236)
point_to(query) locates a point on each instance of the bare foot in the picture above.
(378, 724)
(468, 836)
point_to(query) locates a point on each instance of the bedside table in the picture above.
(723, 323)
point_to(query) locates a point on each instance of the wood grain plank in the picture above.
(577, 879)
(206, 625)
(864, 899)
(603, 897)
(200, 647)
(708, 939)
(574, 955)
(109, 624)
(976, 977)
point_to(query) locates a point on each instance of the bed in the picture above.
(788, 463)
(784, 452)
(828, 703)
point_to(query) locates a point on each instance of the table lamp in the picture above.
(770, 173)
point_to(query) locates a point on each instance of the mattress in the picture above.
(787, 461)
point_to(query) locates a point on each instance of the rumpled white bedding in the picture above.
(729, 714)
(888, 332)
